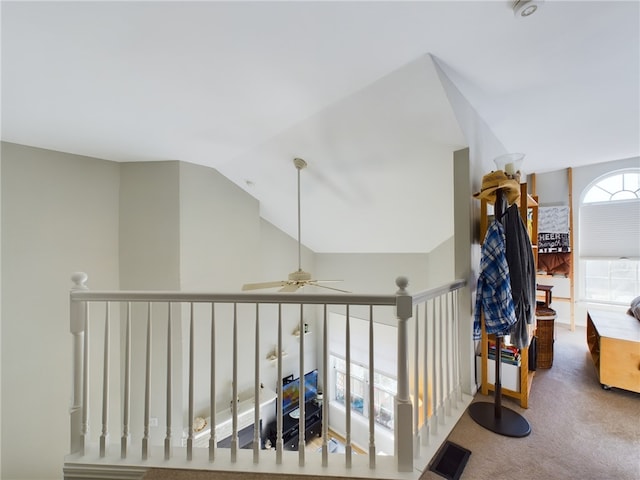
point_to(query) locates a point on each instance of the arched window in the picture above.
(609, 238)
(614, 187)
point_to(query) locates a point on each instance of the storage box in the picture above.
(510, 375)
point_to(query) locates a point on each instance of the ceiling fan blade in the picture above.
(258, 286)
(292, 287)
(314, 284)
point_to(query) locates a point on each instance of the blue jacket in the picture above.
(493, 293)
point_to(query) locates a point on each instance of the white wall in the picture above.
(59, 215)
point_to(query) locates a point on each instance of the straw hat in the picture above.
(494, 181)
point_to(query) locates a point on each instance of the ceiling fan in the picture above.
(299, 278)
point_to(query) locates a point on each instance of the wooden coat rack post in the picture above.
(493, 416)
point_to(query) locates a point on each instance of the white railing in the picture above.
(428, 376)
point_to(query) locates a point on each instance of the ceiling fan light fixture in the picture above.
(526, 8)
(299, 276)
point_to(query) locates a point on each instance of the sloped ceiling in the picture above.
(351, 87)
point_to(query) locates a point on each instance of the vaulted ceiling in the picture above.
(354, 88)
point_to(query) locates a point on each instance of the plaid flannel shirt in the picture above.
(493, 294)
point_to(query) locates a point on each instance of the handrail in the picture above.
(271, 298)
(432, 293)
(274, 298)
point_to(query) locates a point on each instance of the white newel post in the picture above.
(403, 409)
(77, 318)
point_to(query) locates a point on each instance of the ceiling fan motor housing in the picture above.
(299, 276)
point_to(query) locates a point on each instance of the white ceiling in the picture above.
(349, 86)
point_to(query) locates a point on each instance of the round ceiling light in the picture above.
(525, 8)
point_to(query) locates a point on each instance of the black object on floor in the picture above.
(507, 422)
(450, 460)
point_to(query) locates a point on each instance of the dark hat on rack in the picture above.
(498, 180)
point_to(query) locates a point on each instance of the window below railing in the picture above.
(384, 390)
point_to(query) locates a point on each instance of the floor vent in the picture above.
(450, 461)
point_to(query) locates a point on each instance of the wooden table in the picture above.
(614, 342)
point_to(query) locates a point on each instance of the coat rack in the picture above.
(493, 416)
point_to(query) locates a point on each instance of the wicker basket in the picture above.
(545, 319)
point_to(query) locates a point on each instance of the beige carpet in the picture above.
(578, 430)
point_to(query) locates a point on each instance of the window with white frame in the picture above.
(609, 234)
(384, 390)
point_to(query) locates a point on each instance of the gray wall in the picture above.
(219, 231)
(374, 272)
(0, 311)
(59, 215)
(552, 188)
(149, 226)
(465, 252)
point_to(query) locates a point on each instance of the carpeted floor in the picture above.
(578, 430)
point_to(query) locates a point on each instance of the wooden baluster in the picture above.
(256, 392)
(325, 385)
(167, 439)
(447, 356)
(427, 395)
(416, 384)
(191, 373)
(124, 441)
(456, 348)
(372, 412)
(301, 397)
(104, 437)
(234, 388)
(434, 365)
(147, 388)
(85, 382)
(441, 362)
(347, 400)
(279, 441)
(212, 405)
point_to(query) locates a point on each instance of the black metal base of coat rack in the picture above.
(493, 416)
